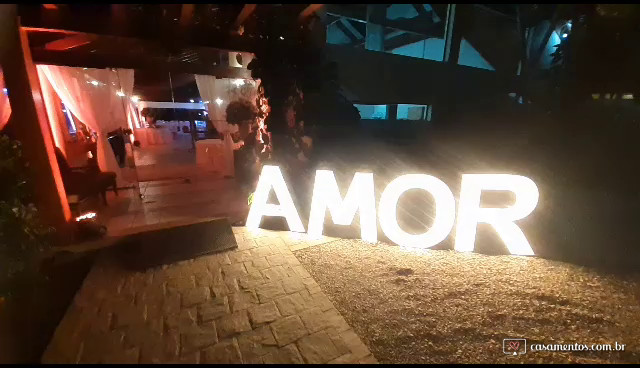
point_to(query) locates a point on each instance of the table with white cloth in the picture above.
(210, 154)
(153, 137)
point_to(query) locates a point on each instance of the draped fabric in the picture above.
(213, 90)
(126, 78)
(5, 107)
(52, 112)
(92, 96)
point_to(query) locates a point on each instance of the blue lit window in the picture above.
(372, 111)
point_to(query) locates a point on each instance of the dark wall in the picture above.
(380, 78)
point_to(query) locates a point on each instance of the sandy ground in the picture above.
(439, 306)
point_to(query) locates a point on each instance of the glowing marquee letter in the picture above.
(360, 196)
(271, 177)
(502, 219)
(445, 208)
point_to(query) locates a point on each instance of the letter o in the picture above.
(445, 208)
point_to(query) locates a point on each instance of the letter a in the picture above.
(271, 177)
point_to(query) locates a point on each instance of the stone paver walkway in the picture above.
(255, 304)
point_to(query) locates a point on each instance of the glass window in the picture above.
(372, 111)
(412, 112)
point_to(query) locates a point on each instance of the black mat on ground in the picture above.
(170, 245)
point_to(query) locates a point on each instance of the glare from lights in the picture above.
(360, 196)
(565, 35)
(86, 216)
(502, 219)
(271, 177)
(135, 98)
(95, 83)
(238, 82)
(120, 93)
(206, 102)
(282, 38)
(192, 101)
(445, 207)
(5, 90)
(219, 101)
(206, 113)
(627, 96)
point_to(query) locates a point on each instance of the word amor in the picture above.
(361, 197)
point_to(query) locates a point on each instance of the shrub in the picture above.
(22, 235)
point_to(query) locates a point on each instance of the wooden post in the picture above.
(29, 122)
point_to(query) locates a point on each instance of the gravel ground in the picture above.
(439, 306)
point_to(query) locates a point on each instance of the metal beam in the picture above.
(403, 39)
(70, 42)
(351, 28)
(78, 58)
(246, 11)
(312, 8)
(347, 32)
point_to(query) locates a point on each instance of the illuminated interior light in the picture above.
(192, 101)
(206, 102)
(565, 35)
(70, 117)
(95, 83)
(360, 196)
(120, 93)
(135, 98)
(445, 207)
(627, 96)
(86, 216)
(271, 177)
(219, 101)
(5, 90)
(502, 219)
(238, 82)
(282, 38)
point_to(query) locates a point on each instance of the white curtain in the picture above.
(5, 107)
(92, 96)
(126, 78)
(215, 92)
(52, 112)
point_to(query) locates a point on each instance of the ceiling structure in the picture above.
(165, 43)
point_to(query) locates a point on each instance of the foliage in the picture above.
(296, 75)
(22, 234)
(240, 111)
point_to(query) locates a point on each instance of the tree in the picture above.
(295, 75)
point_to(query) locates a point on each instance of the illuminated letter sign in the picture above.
(445, 210)
(360, 197)
(271, 177)
(502, 219)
